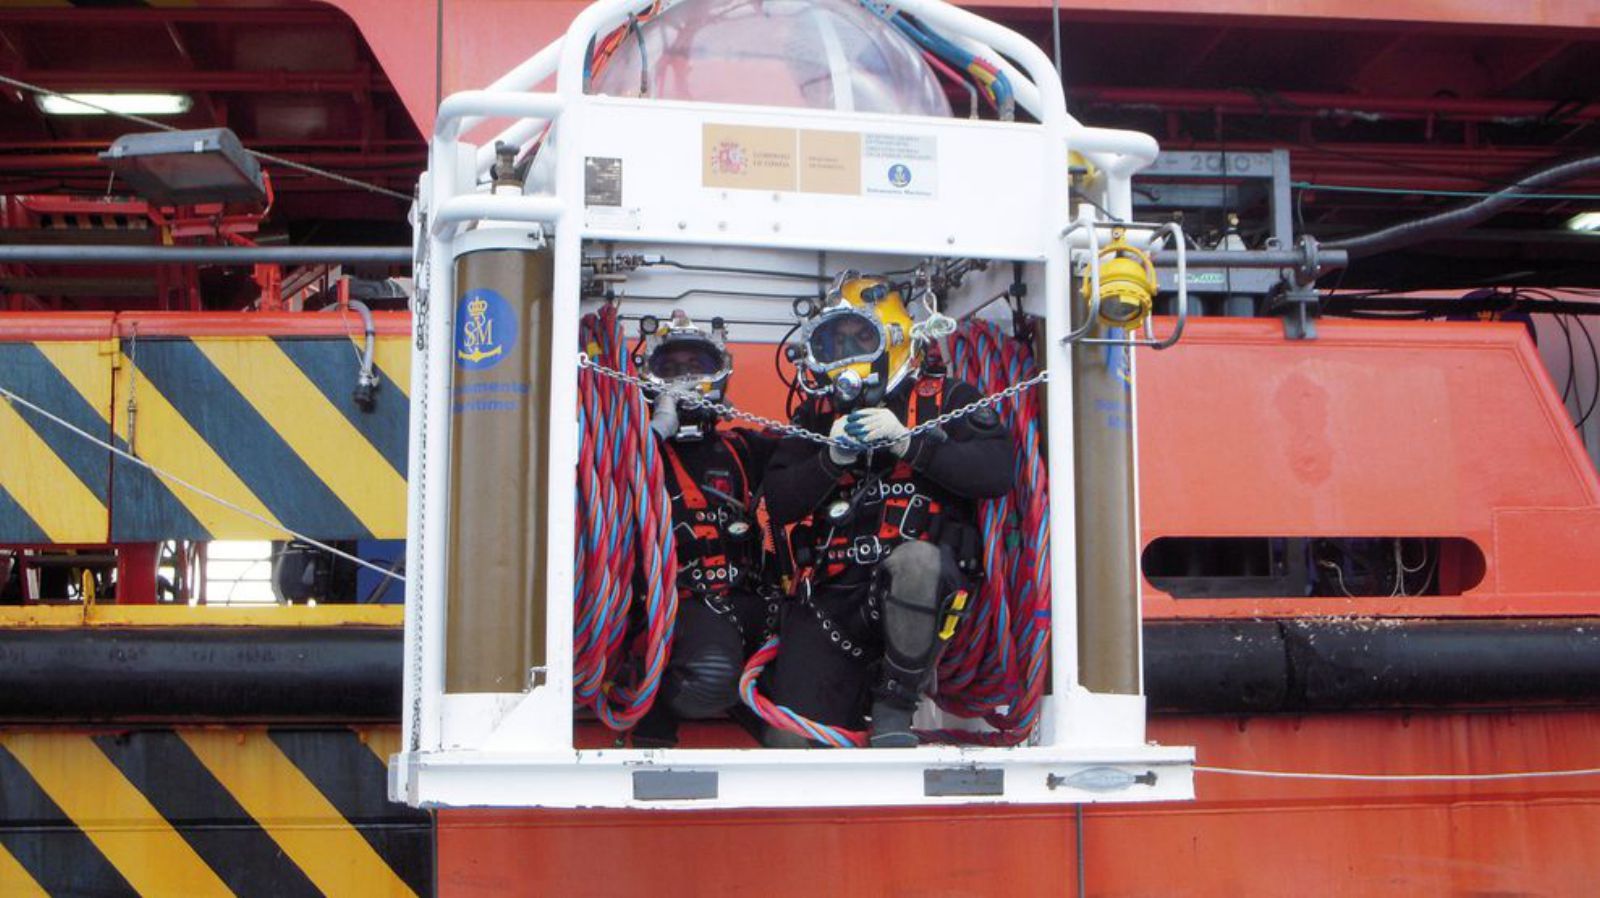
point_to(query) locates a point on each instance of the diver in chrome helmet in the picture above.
(725, 607)
(884, 540)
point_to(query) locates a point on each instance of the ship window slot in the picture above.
(1213, 567)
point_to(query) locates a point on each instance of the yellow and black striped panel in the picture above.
(267, 423)
(201, 812)
(54, 484)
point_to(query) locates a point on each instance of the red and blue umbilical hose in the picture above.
(625, 537)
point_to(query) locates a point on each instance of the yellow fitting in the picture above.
(1128, 284)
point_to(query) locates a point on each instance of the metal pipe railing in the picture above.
(88, 254)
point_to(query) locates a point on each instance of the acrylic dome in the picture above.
(822, 54)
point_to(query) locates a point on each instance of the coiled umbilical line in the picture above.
(625, 537)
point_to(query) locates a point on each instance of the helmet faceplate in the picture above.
(680, 356)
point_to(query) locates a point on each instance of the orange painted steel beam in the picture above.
(1241, 837)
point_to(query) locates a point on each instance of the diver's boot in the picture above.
(907, 587)
(893, 705)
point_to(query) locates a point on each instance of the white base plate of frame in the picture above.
(792, 778)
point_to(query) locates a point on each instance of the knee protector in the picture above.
(919, 591)
(706, 683)
(707, 658)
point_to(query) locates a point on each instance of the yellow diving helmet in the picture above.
(859, 347)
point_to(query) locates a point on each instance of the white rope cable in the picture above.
(199, 491)
(1400, 777)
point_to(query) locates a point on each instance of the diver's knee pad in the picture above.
(707, 683)
(707, 659)
(909, 596)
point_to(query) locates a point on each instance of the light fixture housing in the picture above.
(108, 103)
(179, 168)
(1584, 221)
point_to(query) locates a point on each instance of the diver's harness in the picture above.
(904, 514)
(712, 571)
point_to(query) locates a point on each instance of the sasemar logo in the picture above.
(900, 174)
(486, 329)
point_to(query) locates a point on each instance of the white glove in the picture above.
(879, 425)
(665, 420)
(841, 456)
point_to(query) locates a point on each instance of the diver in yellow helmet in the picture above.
(860, 347)
(881, 524)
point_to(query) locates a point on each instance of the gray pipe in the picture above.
(1411, 232)
(366, 379)
(206, 255)
(1253, 258)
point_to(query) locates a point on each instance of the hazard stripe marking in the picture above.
(14, 879)
(16, 523)
(393, 357)
(216, 410)
(45, 842)
(148, 508)
(297, 816)
(160, 765)
(181, 451)
(355, 782)
(42, 484)
(332, 369)
(40, 378)
(325, 440)
(121, 822)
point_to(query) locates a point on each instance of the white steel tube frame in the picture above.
(448, 200)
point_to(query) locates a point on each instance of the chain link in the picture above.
(792, 430)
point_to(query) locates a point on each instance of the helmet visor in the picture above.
(844, 336)
(685, 360)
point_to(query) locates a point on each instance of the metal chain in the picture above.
(417, 578)
(721, 408)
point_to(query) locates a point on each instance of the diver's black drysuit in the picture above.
(882, 547)
(725, 607)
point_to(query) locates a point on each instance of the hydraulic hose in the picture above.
(1428, 227)
(367, 379)
(365, 394)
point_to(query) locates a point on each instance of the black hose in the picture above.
(1426, 228)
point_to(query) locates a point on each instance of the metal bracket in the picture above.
(674, 785)
(1101, 779)
(1299, 300)
(963, 781)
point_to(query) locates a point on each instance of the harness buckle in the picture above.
(868, 550)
